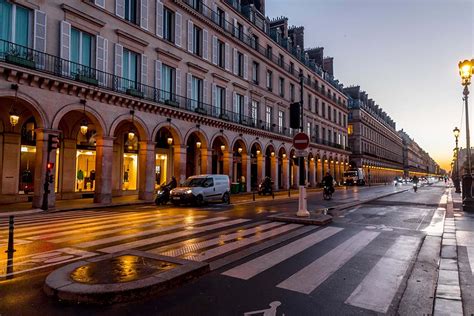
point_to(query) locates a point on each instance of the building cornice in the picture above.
(197, 67)
(84, 16)
(122, 34)
(169, 54)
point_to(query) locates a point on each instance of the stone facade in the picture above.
(374, 141)
(416, 161)
(142, 90)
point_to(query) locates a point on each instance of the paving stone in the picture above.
(449, 230)
(449, 252)
(450, 292)
(449, 242)
(447, 277)
(449, 235)
(448, 264)
(447, 307)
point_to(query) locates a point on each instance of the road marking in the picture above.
(378, 288)
(272, 311)
(309, 278)
(258, 265)
(188, 232)
(109, 240)
(214, 252)
(214, 241)
(122, 224)
(61, 216)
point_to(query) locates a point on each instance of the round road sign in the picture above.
(301, 141)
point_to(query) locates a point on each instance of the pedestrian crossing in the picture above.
(66, 237)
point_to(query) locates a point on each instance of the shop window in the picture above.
(161, 168)
(130, 162)
(27, 157)
(85, 161)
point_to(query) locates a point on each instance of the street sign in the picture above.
(301, 153)
(301, 141)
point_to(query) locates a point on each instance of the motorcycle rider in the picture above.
(173, 183)
(328, 182)
(415, 180)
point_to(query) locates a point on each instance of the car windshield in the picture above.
(194, 182)
(350, 173)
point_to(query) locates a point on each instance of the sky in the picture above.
(403, 53)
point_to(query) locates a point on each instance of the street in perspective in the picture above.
(236, 157)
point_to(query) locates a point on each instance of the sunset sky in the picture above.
(403, 53)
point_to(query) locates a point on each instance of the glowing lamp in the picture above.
(284, 155)
(465, 70)
(272, 154)
(84, 127)
(14, 117)
(131, 135)
(222, 147)
(198, 145)
(169, 140)
(240, 150)
(258, 152)
(456, 132)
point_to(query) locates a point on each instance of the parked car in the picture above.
(202, 189)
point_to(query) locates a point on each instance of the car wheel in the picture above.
(226, 198)
(199, 200)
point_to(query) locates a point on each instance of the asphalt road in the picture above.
(357, 265)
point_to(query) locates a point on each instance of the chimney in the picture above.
(328, 65)
(281, 24)
(258, 4)
(316, 54)
(297, 35)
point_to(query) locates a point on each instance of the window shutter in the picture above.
(234, 31)
(205, 92)
(214, 95)
(214, 50)
(144, 14)
(158, 74)
(190, 36)
(65, 46)
(227, 56)
(100, 3)
(178, 82)
(118, 61)
(39, 38)
(120, 8)
(246, 66)
(204, 7)
(188, 85)
(144, 80)
(40, 31)
(159, 19)
(215, 17)
(236, 62)
(228, 101)
(101, 58)
(178, 29)
(246, 105)
(234, 102)
(205, 44)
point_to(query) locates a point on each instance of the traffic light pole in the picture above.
(44, 205)
(302, 200)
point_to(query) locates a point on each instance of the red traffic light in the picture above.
(50, 166)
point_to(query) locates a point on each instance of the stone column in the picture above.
(11, 163)
(274, 171)
(246, 166)
(206, 160)
(68, 167)
(179, 163)
(319, 171)
(286, 173)
(146, 170)
(312, 172)
(41, 161)
(228, 161)
(103, 166)
(296, 176)
(260, 168)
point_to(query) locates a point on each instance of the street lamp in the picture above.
(465, 71)
(456, 181)
(14, 117)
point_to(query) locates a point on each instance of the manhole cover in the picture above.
(120, 269)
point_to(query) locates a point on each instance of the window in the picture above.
(220, 100)
(323, 109)
(240, 31)
(324, 134)
(168, 25)
(131, 11)
(197, 40)
(281, 86)
(269, 80)
(339, 118)
(254, 112)
(239, 105)
(221, 17)
(334, 137)
(334, 115)
(240, 64)
(196, 92)
(316, 105)
(310, 102)
(168, 77)
(308, 128)
(268, 114)
(280, 60)
(350, 129)
(292, 92)
(254, 42)
(292, 67)
(130, 69)
(281, 120)
(329, 112)
(15, 25)
(269, 52)
(81, 48)
(316, 131)
(255, 72)
(221, 53)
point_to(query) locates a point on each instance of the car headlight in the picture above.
(188, 191)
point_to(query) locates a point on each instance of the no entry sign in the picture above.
(301, 141)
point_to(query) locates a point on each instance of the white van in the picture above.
(202, 188)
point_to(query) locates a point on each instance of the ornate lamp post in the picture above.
(465, 70)
(456, 132)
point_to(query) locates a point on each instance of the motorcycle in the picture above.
(163, 195)
(265, 187)
(415, 187)
(327, 193)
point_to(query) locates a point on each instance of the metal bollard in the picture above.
(253, 195)
(273, 194)
(10, 235)
(289, 192)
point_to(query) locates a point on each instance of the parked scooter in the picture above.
(265, 186)
(163, 194)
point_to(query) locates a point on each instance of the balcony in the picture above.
(52, 65)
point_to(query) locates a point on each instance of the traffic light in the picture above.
(53, 142)
(295, 115)
(50, 166)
